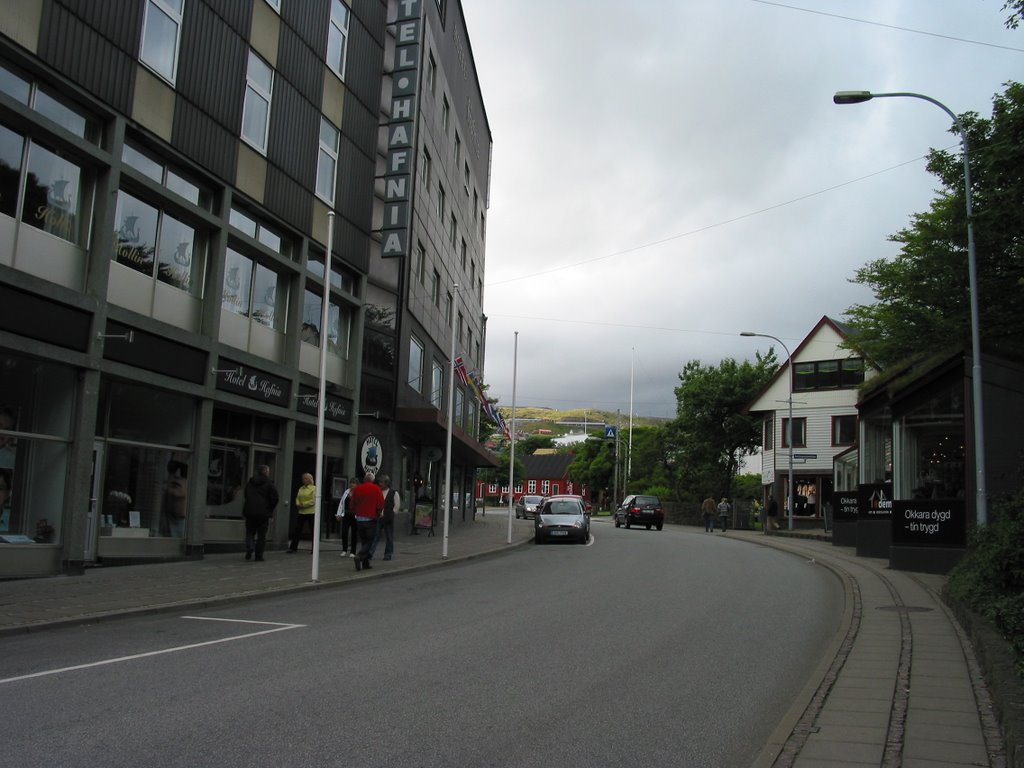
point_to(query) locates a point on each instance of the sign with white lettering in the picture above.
(371, 455)
(337, 409)
(253, 384)
(874, 501)
(398, 172)
(845, 506)
(929, 523)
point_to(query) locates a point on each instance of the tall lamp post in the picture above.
(789, 425)
(981, 496)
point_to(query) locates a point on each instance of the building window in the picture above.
(425, 169)
(799, 433)
(435, 289)
(440, 202)
(446, 113)
(159, 244)
(449, 302)
(421, 259)
(415, 378)
(254, 290)
(460, 407)
(259, 91)
(275, 4)
(53, 188)
(436, 384)
(531, 486)
(339, 324)
(463, 253)
(844, 430)
(431, 72)
(337, 38)
(161, 173)
(161, 35)
(239, 442)
(828, 374)
(462, 325)
(35, 432)
(327, 161)
(453, 228)
(768, 439)
(458, 148)
(260, 232)
(545, 487)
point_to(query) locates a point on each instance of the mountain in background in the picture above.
(532, 419)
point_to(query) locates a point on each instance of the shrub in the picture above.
(990, 578)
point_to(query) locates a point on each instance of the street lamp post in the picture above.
(981, 495)
(789, 425)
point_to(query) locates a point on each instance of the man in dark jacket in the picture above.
(260, 500)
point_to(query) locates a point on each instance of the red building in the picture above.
(546, 474)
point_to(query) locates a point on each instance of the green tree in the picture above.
(648, 462)
(594, 465)
(920, 302)
(710, 433)
(1017, 13)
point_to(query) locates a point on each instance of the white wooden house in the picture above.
(822, 379)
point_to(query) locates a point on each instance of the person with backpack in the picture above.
(724, 510)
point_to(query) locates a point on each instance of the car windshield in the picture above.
(562, 508)
(643, 500)
(532, 499)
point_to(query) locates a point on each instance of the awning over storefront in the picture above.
(429, 427)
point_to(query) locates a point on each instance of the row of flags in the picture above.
(472, 380)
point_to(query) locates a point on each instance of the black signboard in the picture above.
(929, 523)
(337, 409)
(251, 383)
(845, 506)
(874, 501)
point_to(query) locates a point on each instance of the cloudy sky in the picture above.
(668, 173)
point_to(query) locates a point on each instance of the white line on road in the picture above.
(276, 627)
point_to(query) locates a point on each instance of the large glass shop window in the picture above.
(240, 442)
(147, 461)
(35, 426)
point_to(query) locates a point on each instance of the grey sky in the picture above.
(669, 173)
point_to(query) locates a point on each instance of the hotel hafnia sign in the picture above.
(401, 130)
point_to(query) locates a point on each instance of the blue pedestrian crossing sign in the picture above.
(609, 433)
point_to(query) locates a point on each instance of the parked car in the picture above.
(562, 518)
(640, 510)
(526, 507)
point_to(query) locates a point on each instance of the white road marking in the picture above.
(276, 627)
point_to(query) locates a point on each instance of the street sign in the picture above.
(805, 455)
(609, 433)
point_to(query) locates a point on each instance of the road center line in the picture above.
(275, 628)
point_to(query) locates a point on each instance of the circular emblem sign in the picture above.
(371, 455)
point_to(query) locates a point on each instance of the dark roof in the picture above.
(547, 465)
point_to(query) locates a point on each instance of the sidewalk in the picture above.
(899, 687)
(101, 593)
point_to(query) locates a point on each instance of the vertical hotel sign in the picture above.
(402, 129)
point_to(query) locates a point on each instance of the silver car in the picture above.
(526, 507)
(562, 518)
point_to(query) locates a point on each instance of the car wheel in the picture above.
(660, 525)
(618, 522)
(628, 524)
(648, 526)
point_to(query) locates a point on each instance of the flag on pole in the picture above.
(473, 381)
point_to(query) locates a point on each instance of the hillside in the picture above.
(530, 418)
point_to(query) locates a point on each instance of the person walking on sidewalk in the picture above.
(771, 515)
(260, 501)
(305, 507)
(724, 510)
(386, 523)
(348, 521)
(707, 511)
(366, 502)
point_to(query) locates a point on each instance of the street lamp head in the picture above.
(747, 333)
(852, 97)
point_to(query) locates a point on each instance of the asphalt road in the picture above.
(646, 648)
